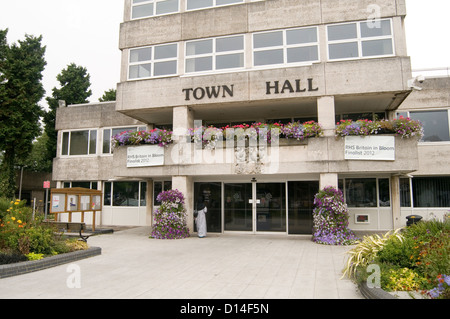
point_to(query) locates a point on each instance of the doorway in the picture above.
(255, 207)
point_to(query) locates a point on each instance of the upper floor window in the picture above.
(79, 142)
(215, 54)
(435, 124)
(155, 61)
(360, 40)
(201, 4)
(286, 47)
(149, 8)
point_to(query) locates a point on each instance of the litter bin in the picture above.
(413, 219)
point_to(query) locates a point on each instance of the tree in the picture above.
(109, 95)
(75, 83)
(21, 89)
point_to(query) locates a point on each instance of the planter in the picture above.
(25, 267)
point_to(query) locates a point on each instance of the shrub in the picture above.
(402, 279)
(398, 251)
(366, 251)
(33, 256)
(11, 258)
(442, 291)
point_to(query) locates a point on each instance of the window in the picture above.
(405, 192)
(361, 192)
(435, 125)
(367, 192)
(89, 185)
(285, 47)
(79, 142)
(108, 133)
(149, 8)
(128, 194)
(431, 191)
(200, 4)
(360, 40)
(159, 187)
(215, 54)
(154, 61)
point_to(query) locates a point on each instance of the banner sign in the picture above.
(370, 148)
(143, 156)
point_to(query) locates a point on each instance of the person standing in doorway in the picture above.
(201, 217)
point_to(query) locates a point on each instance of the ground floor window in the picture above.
(367, 192)
(424, 192)
(89, 185)
(159, 187)
(129, 194)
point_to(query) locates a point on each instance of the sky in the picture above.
(86, 32)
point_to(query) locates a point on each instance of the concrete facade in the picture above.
(324, 89)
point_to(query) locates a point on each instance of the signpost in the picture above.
(46, 187)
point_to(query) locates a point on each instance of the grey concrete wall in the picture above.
(337, 78)
(91, 116)
(317, 155)
(435, 95)
(247, 17)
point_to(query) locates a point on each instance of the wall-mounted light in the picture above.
(254, 180)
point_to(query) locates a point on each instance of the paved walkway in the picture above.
(220, 266)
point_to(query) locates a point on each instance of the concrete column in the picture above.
(185, 185)
(183, 118)
(395, 202)
(328, 179)
(327, 114)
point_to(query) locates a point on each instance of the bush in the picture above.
(366, 251)
(398, 252)
(410, 261)
(23, 235)
(11, 258)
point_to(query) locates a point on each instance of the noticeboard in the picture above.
(75, 200)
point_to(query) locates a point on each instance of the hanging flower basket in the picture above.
(403, 127)
(154, 137)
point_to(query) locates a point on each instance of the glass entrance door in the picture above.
(238, 207)
(271, 207)
(255, 207)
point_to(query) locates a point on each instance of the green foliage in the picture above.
(409, 261)
(74, 84)
(398, 252)
(109, 95)
(403, 279)
(33, 256)
(11, 258)
(21, 67)
(366, 251)
(20, 233)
